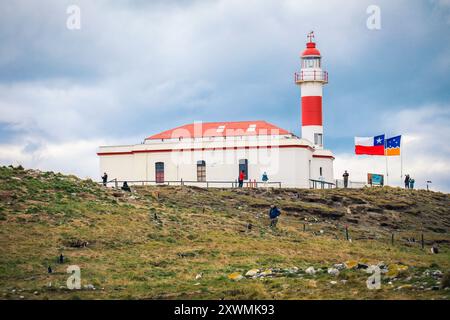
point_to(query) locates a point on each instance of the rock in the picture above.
(310, 271)
(252, 272)
(437, 274)
(197, 284)
(350, 264)
(13, 290)
(362, 266)
(266, 273)
(344, 281)
(339, 266)
(333, 271)
(22, 297)
(35, 293)
(236, 276)
(89, 287)
(333, 282)
(292, 270)
(198, 276)
(435, 288)
(312, 284)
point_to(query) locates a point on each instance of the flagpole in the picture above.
(387, 172)
(401, 161)
(385, 157)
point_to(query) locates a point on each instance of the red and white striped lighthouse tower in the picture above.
(311, 80)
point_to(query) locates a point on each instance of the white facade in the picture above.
(285, 158)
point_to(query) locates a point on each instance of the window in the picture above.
(201, 171)
(243, 165)
(318, 139)
(159, 172)
(311, 63)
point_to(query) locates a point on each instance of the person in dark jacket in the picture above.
(407, 181)
(105, 178)
(125, 187)
(265, 179)
(345, 175)
(274, 213)
(241, 178)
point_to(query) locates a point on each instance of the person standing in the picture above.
(241, 178)
(411, 183)
(345, 175)
(407, 181)
(264, 179)
(105, 179)
(274, 213)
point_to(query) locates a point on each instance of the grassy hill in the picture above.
(184, 242)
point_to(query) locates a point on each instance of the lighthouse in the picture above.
(311, 80)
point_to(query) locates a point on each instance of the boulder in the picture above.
(350, 264)
(266, 273)
(333, 271)
(252, 272)
(339, 266)
(310, 271)
(236, 276)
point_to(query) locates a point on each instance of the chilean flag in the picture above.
(370, 145)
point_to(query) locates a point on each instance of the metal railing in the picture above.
(320, 184)
(351, 184)
(311, 75)
(204, 184)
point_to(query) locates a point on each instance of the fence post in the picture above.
(392, 239)
(346, 232)
(304, 227)
(423, 241)
(115, 183)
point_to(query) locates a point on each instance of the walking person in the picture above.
(241, 178)
(274, 213)
(407, 181)
(264, 179)
(105, 179)
(345, 175)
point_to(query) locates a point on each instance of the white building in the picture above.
(216, 152)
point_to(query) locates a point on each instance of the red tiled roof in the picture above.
(221, 129)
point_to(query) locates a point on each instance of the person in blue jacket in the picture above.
(264, 179)
(274, 213)
(411, 183)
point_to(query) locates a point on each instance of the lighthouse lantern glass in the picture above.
(311, 62)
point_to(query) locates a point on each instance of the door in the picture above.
(159, 172)
(243, 165)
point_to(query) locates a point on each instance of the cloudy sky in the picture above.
(135, 68)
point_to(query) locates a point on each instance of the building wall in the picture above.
(289, 161)
(291, 166)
